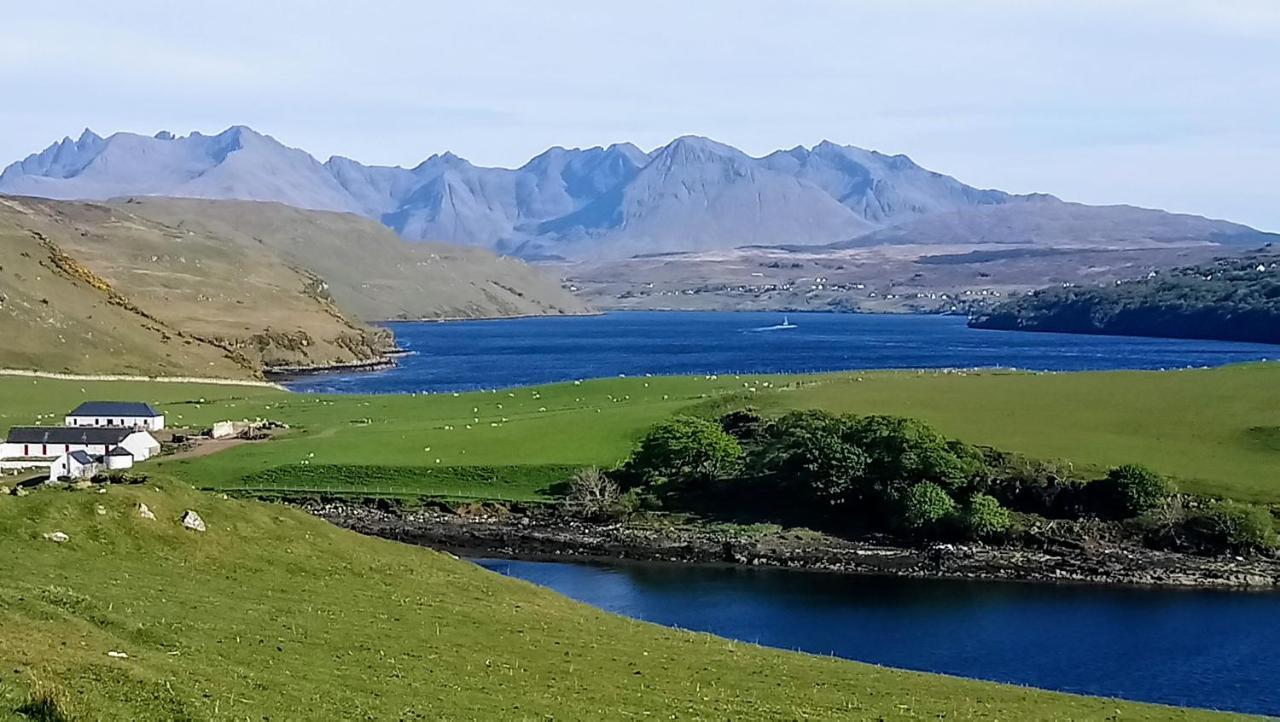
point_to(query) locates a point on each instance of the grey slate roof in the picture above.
(114, 408)
(104, 435)
(83, 457)
(120, 451)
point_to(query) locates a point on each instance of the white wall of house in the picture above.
(142, 445)
(11, 465)
(66, 466)
(50, 451)
(150, 423)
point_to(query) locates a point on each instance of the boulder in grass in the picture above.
(145, 512)
(57, 536)
(192, 520)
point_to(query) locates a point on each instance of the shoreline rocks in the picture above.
(548, 534)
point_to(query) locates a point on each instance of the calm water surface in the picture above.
(1209, 649)
(465, 355)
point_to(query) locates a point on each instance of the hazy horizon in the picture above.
(1170, 105)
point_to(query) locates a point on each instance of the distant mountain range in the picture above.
(692, 194)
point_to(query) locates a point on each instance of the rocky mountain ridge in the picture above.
(693, 194)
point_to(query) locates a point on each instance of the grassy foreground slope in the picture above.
(274, 614)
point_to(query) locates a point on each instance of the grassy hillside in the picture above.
(223, 289)
(92, 289)
(370, 271)
(1217, 431)
(271, 614)
(54, 322)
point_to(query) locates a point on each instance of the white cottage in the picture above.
(75, 465)
(127, 414)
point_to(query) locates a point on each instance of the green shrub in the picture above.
(1135, 490)
(743, 424)
(804, 453)
(901, 451)
(1233, 526)
(983, 517)
(685, 451)
(926, 507)
(1035, 486)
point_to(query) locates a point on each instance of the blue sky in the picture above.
(1170, 103)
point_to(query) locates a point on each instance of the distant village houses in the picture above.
(97, 436)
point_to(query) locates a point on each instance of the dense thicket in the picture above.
(889, 474)
(1232, 300)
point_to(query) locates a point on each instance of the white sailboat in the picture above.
(786, 324)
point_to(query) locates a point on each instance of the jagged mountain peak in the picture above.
(698, 148)
(446, 158)
(693, 193)
(557, 155)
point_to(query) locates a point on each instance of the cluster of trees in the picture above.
(871, 473)
(897, 475)
(1233, 300)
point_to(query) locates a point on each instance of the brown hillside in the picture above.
(87, 288)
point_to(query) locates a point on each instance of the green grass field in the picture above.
(1215, 431)
(272, 614)
(501, 483)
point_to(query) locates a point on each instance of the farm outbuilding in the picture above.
(118, 459)
(74, 465)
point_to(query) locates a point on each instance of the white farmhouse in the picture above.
(41, 445)
(127, 414)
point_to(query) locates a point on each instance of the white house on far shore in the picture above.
(127, 414)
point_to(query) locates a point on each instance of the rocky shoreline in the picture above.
(386, 360)
(1061, 552)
